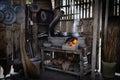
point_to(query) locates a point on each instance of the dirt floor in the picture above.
(55, 75)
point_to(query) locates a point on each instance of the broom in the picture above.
(110, 44)
(30, 70)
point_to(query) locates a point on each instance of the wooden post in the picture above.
(95, 31)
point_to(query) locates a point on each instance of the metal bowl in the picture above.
(47, 44)
(64, 33)
(75, 34)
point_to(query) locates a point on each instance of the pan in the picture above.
(10, 16)
(44, 17)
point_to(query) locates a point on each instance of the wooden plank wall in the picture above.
(9, 45)
(45, 4)
(6, 47)
(9, 42)
(3, 42)
(85, 25)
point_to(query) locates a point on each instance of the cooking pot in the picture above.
(75, 34)
(20, 14)
(70, 34)
(65, 34)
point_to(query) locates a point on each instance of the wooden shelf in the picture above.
(78, 51)
(81, 69)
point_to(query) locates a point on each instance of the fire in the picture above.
(73, 42)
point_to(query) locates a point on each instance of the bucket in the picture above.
(108, 69)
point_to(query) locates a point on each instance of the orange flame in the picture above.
(73, 42)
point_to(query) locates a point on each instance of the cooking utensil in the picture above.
(75, 34)
(4, 3)
(70, 34)
(9, 13)
(44, 17)
(10, 16)
(47, 44)
(65, 34)
(20, 13)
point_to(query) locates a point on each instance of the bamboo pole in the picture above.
(94, 47)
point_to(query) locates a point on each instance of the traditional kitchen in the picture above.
(59, 39)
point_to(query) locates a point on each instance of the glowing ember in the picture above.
(73, 42)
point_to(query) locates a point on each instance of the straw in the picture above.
(110, 44)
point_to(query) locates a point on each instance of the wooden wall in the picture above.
(9, 43)
(6, 47)
(3, 42)
(45, 4)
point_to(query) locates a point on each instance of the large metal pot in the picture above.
(65, 34)
(70, 34)
(75, 34)
(20, 14)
